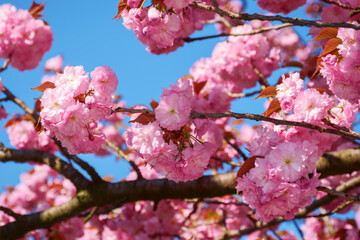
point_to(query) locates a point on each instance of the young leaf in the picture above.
(326, 33)
(274, 106)
(248, 164)
(198, 86)
(144, 118)
(44, 86)
(154, 104)
(36, 9)
(331, 45)
(267, 92)
(121, 7)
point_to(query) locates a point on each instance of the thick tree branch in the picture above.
(36, 156)
(340, 162)
(294, 21)
(104, 193)
(10, 212)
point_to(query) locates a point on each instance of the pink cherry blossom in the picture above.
(24, 37)
(277, 6)
(54, 64)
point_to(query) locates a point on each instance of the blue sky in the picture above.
(85, 34)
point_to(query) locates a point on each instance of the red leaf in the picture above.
(37, 107)
(267, 92)
(44, 86)
(274, 106)
(154, 104)
(331, 45)
(237, 121)
(121, 7)
(320, 90)
(248, 164)
(326, 33)
(36, 9)
(198, 86)
(144, 118)
(11, 122)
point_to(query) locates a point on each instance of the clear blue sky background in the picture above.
(85, 34)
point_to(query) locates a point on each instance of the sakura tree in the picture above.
(199, 171)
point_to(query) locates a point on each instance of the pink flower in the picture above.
(74, 81)
(277, 6)
(54, 64)
(177, 4)
(174, 108)
(312, 106)
(26, 38)
(146, 139)
(22, 135)
(104, 80)
(288, 161)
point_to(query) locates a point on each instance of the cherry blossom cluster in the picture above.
(39, 189)
(280, 6)
(234, 63)
(342, 75)
(166, 144)
(284, 177)
(332, 228)
(162, 28)
(23, 135)
(206, 223)
(279, 184)
(72, 108)
(23, 37)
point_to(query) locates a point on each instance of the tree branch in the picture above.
(89, 169)
(294, 21)
(10, 212)
(36, 156)
(121, 154)
(344, 133)
(103, 193)
(257, 31)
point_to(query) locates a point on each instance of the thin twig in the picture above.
(350, 134)
(264, 83)
(227, 162)
(339, 194)
(20, 103)
(5, 65)
(342, 206)
(121, 154)
(10, 212)
(298, 228)
(238, 150)
(84, 165)
(337, 4)
(276, 235)
(257, 31)
(90, 170)
(241, 95)
(294, 21)
(90, 215)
